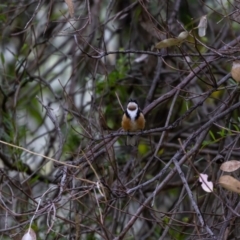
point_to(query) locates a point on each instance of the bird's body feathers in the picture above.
(133, 120)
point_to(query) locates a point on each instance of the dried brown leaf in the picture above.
(70, 7)
(230, 166)
(235, 71)
(230, 183)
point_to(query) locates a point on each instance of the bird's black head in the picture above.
(132, 100)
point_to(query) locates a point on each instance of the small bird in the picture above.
(235, 71)
(132, 121)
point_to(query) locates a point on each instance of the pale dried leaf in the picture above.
(172, 41)
(188, 59)
(141, 58)
(167, 43)
(230, 183)
(183, 35)
(70, 7)
(29, 235)
(206, 185)
(230, 166)
(202, 26)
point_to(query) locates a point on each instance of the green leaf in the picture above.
(236, 127)
(222, 133)
(212, 135)
(206, 142)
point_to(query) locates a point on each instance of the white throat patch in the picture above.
(132, 113)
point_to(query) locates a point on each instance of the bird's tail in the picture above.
(132, 140)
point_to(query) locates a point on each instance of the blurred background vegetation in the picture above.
(66, 69)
